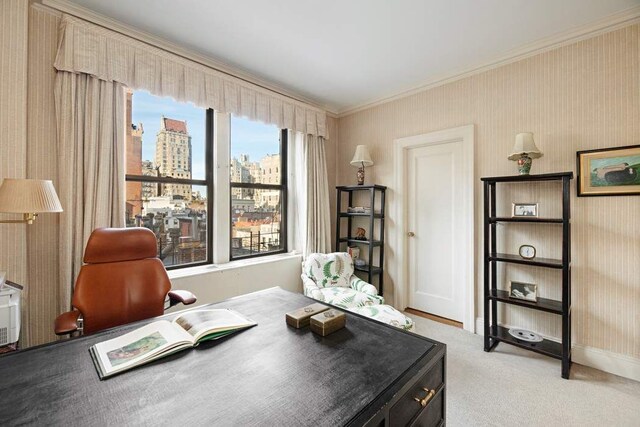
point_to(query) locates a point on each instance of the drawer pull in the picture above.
(427, 398)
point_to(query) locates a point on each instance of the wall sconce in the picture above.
(361, 159)
(28, 197)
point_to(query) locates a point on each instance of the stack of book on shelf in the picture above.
(359, 209)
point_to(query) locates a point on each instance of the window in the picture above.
(168, 190)
(258, 195)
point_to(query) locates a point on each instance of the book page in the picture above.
(199, 323)
(140, 345)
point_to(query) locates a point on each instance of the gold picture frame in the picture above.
(609, 171)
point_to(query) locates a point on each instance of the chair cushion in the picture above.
(385, 314)
(347, 297)
(329, 270)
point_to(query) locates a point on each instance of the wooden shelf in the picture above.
(543, 304)
(365, 269)
(362, 242)
(529, 178)
(372, 221)
(527, 219)
(517, 259)
(493, 296)
(360, 187)
(348, 214)
(546, 347)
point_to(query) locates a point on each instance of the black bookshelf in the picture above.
(345, 222)
(493, 332)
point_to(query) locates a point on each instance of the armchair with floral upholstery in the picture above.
(330, 278)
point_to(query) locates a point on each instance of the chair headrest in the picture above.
(120, 244)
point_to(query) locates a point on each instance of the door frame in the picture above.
(466, 135)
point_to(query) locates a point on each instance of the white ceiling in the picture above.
(345, 53)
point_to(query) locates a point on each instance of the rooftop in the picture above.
(173, 125)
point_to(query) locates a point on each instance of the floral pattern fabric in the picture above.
(385, 314)
(329, 270)
(346, 298)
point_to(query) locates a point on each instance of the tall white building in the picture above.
(173, 156)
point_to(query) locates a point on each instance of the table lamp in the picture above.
(361, 159)
(28, 197)
(524, 151)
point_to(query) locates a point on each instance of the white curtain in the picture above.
(310, 221)
(90, 49)
(91, 134)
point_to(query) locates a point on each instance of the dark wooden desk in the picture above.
(271, 374)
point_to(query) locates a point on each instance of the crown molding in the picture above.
(593, 29)
(86, 14)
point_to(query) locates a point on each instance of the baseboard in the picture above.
(607, 361)
(614, 363)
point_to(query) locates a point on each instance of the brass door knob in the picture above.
(411, 234)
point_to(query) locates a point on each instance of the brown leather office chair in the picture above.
(122, 281)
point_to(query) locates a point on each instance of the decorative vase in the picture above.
(360, 175)
(524, 164)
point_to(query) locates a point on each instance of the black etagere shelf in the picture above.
(344, 235)
(493, 332)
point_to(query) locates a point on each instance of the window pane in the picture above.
(180, 225)
(255, 223)
(164, 137)
(255, 152)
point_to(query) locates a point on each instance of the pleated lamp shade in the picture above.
(361, 157)
(525, 145)
(28, 196)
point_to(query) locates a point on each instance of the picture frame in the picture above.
(609, 171)
(519, 210)
(523, 291)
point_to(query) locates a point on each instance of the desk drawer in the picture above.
(432, 414)
(407, 407)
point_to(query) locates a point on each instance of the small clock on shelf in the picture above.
(527, 252)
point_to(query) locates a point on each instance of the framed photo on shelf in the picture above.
(609, 171)
(525, 291)
(524, 209)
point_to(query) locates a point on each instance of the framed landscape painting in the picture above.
(609, 171)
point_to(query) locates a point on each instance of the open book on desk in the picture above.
(161, 338)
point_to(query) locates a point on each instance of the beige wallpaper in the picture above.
(581, 96)
(42, 237)
(13, 122)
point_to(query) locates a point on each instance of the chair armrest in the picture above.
(360, 285)
(67, 323)
(181, 296)
(311, 289)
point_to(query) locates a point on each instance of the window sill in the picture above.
(205, 269)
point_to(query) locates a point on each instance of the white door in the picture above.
(436, 228)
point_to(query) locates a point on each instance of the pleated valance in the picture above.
(110, 56)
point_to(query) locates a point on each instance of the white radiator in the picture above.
(9, 313)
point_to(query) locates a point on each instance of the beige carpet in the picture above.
(515, 387)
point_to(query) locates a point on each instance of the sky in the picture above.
(247, 137)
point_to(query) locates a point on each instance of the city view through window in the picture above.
(167, 185)
(166, 189)
(258, 183)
